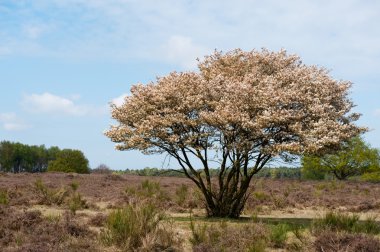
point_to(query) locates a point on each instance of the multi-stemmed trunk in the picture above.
(230, 203)
(225, 194)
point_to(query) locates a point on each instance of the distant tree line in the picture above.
(355, 159)
(277, 172)
(18, 157)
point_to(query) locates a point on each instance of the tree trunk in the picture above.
(228, 194)
(230, 200)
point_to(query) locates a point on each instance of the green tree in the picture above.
(354, 158)
(52, 153)
(18, 157)
(312, 169)
(69, 161)
(6, 156)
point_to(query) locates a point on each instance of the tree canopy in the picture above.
(69, 161)
(241, 110)
(354, 158)
(18, 157)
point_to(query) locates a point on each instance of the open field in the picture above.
(68, 212)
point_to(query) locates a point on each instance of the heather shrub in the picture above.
(229, 237)
(31, 231)
(98, 220)
(329, 241)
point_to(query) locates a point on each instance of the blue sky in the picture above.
(63, 61)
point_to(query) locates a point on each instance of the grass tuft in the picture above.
(279, 234)
(137, 226)
(4, 198)
(346, 222)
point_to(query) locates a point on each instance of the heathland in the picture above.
(113, 212)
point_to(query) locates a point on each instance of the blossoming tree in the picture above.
(239, 111)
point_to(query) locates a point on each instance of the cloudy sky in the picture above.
(63, 61)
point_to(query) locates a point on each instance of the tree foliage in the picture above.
(18, 157)
(354, 158)
(241, 110)
(69, 161)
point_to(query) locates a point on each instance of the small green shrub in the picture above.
(198, 233)
(371, 177)
(299, 240)
(137, 226)
(147, 191)
(346, 222)
(4, 198)
(261, 196)
(278, 235)
(126, 227)
(49, 196)
(76, 202)
(368, 226)
(336, 222)
(53, 218)
(181, 193)
(74, 185)
(150, 188)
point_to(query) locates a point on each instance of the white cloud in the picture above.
(11, 122)
(377, 112)
(183, 51)
(14, 126)
(5, 50)
(337, 34)
(118, 101)
(48, 103)
(34, 31)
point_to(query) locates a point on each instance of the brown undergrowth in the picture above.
(72, 212)
(23, 230)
